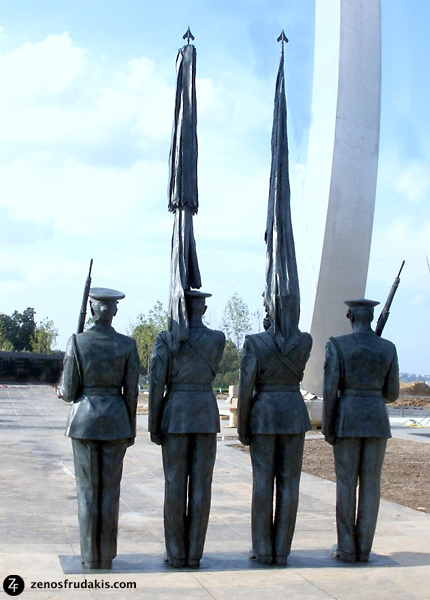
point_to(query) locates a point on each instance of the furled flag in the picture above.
(282, 294)
(183, 193)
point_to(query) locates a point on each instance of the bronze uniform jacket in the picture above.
(262, 410)
(181, 398)
(354, 403)
(105, 399)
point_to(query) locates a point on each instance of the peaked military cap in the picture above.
(363, 303)
(105, 294)
(196, 294)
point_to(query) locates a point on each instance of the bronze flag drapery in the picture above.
(282, 294)
(183, 194)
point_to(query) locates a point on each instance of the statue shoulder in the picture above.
(260, 342)
(255, 338)
(214, 331)
(215, 338)
(220, 335)
(306, 340)
(341, 340)
(126, 340)
(162, 341)
(387, 345)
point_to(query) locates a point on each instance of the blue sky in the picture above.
(85, 121)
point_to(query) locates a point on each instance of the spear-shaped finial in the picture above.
(282, 38)
(189, 36)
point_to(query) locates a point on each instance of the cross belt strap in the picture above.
(290, 364)
(200, 350)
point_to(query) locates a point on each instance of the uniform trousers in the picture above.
(98, 471)
(357, 461)
(188, 462)
(276, 458)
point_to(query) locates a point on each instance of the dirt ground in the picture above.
(406, 471)
(405, 474)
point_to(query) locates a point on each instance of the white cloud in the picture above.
(76, 195)
(236, 100)
(418, 300)
(413, 182)
(84, 156)
(41, 70)
(57, 101)
(79, 140)
(402, 239)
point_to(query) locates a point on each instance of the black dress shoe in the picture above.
(177, 563)
(194, 563)
(91, 564)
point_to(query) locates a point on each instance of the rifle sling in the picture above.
(77, 358)
(341, 363)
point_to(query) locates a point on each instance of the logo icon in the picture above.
(13, 585)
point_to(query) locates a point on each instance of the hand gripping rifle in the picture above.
(383, 317)
(83, 312)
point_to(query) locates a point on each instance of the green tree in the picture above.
(44, 336)
(5, 343)
(145, 330)
(18, 329)
(236, 322)
(228, 371)
(89, 323)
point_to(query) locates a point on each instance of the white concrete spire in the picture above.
(342, 161)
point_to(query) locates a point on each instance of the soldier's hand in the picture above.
(330, 440)
(156, 438)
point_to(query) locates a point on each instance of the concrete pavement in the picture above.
(39, 533)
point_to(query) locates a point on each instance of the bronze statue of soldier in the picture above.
(184, 420)
(272, 420)
(100, 378)
(361, 374)
(272, 415)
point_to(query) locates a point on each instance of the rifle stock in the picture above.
(83, 311)
(385, 313)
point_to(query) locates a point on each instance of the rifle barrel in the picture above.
(83, 311)
(385, 313)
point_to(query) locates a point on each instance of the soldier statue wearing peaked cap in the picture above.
(184, 419)
(272, 420)
(100, 378)
(361, 373)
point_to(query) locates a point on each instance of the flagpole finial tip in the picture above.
(282, 38)
(188, 35)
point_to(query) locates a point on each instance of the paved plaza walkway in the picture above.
(39, 536)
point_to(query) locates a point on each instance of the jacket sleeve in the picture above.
(391, 385)
(70, 382)
(158, 379)
(248, 378)
(130, 384)
(330, 390)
